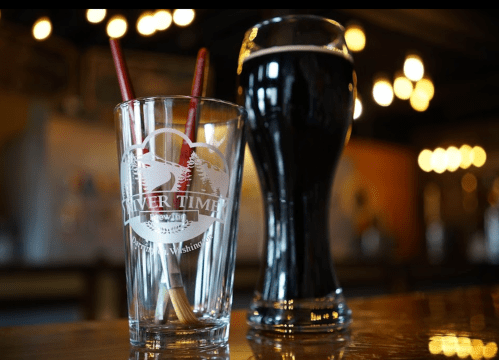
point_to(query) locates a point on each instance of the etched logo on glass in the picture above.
(166, 202)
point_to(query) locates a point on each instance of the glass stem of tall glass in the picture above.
(297, 82)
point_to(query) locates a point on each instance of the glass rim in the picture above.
(277, 19)
(337, 45)
(142, 99)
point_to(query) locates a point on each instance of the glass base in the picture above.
(272, 345)
(329, 314)
(179, 337)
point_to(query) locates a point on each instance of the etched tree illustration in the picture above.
(156, 172)
(213, 180)
(128, 173)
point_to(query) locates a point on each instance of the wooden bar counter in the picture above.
(457, 324)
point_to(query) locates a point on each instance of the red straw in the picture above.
(127, 92)
(191, 125)
(126, 87)
(198, 83)
(197, 88)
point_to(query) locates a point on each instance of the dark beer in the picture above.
(300, 105)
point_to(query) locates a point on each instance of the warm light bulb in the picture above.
(439, 160)
(383, 92)
(42, 28)
(163, 19)
(463, 347)
(357, 108)
(413, 67)
(146, 24)
(479, 156)
(116, 26)
(425, 87)
(355, 38)
(424, 160)
(490, 350)
(419, 101)
(454, 158)
(466, 156)
(402, 87)
(95, 16)
(435, 345)
(183, 17)
(476, 349)
(449, 345)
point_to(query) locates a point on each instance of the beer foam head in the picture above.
(310, 48)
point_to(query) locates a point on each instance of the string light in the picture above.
(42, 28)
(95, 16)
(466, 156)
(146, 24)
(439, 160)
(402, 86)
(413, 67)
(419, 94)
(383, 91)
(183, 17)
(451, 159)
(462, 346)
(117, 26)
(355, 37)
(419, 101)
(357, 107)
(425, 88)
(163, 19)
(479, 156)
(424, 160)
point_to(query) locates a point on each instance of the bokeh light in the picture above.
(117, 26)
(490, 350)
(146, 24)
(425, 87)
(183, 17)
(95, 16)
(453, 158)
(357, 107)
(424, 160)
(419, 101)
(439, 160)
(163, 19)
(466, 156)
(42, 28)
(355, 37)
(402, 87)
(451, 345)
(469, 182)
(413, 67)
(383, 92)
(479, 156)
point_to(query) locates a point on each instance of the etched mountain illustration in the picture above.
(157, 204)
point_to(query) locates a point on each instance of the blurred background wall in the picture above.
(404, 214)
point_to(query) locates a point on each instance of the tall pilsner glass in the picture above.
(297, 82)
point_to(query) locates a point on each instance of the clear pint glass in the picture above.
(180, 200)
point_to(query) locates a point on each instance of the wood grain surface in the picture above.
(461, 323)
